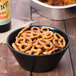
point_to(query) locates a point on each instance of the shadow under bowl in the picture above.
(38, 63)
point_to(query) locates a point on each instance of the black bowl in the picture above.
(38, 63)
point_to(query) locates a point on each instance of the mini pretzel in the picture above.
(43, 41)
(49, 51)
(27, 41)
(62, 43)
(24, 29)
(27, 34)
(15, 47)
(59, 43)
(34, 51)
(38, 52)
(51, 38)
(34, 35)
(19, 40)
(38, 44)
(35, 29)
(48, 46)
(57, 36)
(47, 34)
(56, 42)
(24, 47)
(44, 29)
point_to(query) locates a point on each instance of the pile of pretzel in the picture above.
(58, 2)
(38, 41)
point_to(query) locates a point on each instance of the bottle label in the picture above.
(4, 12)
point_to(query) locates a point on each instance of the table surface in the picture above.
(67, 65)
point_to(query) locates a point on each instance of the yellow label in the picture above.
(4, 10)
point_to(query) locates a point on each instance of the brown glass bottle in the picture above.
(5, 27)
(5, 20)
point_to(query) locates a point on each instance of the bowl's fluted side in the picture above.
(38, 63)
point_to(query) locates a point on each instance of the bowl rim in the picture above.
(54, 7)
(12, 49)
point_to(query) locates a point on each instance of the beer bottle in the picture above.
(5, 21)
